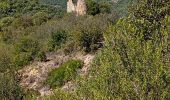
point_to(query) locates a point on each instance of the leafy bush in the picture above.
(64, 73)
(61, 95)
(57, 38)
(22, 59)
(6, 21)
(41, 56)
(25, 51)
(9, 86)
(94, 7)
(39, 18)
(5, 58)
(30, 95)
(88, 34)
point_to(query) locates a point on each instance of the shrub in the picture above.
(6, 21)
(95, 7)
(5, 58)
(88, 34)
(39, 18)
(57, 38)
(30, 95)
(25, 51)
(41, 56)
(22, 59)
(64, 73)
(9, 86)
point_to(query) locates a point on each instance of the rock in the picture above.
(79, 9)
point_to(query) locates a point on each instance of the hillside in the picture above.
(113, 51)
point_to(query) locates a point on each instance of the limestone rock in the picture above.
(79, 9)
(70, 6)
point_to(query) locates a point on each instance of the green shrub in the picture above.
(57, 38)
(64, 73)
(22, 59)
(39, 18)
(5, 58)
(9, 86)
(25, 51)
(61, 95)
(31, 95)
(41, 56)
(88, 34)
(95, 7)
(6, 21)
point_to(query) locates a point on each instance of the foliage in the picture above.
(30, 95)
(57, 38)
(5, 60)
(61, 95)
(134, 63)
(64, 73)
(39, 18)
(9, 87)
(41, 56)
(94, 7)
(130, 66)
(25, 51)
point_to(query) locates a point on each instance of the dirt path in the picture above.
(34, 75)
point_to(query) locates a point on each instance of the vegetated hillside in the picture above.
(131, 54)
(29, 30)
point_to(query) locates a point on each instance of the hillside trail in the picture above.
(34, 75)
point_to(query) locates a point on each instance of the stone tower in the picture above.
(79, 9)
(70, 6)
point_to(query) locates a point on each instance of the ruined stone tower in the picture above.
(70, 6)
(79, 9)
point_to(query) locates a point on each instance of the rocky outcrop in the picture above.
(79, 9)
(70, 6)
(33, 76)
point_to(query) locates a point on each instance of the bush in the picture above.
(31, 95)
(25, 51)
(64, 73)
(6, 21)
(5, 59)
(39, 18)
(94, 7)
(22, 59)
(57, 38)
(41, 56)
(9, 87)
(88, 34)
